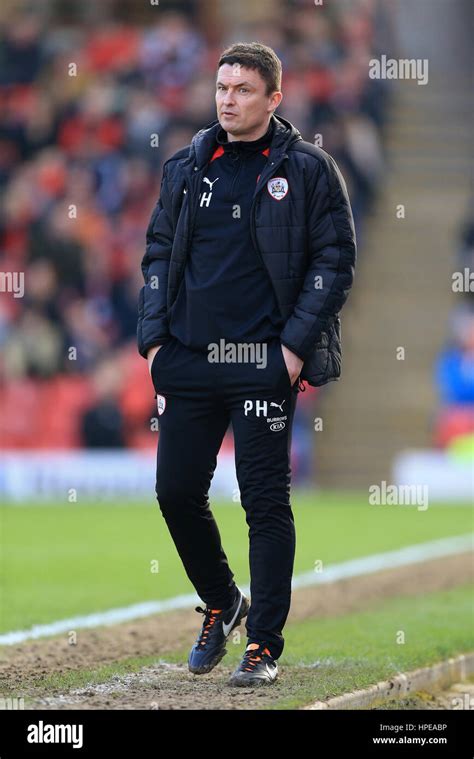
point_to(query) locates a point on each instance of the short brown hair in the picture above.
(254, 55)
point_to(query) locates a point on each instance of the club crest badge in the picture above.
(277, 187)
(161, 404)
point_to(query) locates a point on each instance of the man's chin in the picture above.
(229, 123)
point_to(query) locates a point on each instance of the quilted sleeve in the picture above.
(152, 325)
(332, 258)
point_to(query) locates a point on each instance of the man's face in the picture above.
(243, 108)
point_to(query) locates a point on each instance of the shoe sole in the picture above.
(243, 682)
(220, 655)
(207, 667)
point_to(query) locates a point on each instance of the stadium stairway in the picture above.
(402, 293)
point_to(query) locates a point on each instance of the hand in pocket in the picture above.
(151, 355)
(294, 364)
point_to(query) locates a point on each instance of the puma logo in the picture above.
(278, 405)
(205, 179)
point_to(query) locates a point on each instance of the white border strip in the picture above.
(439, 675)
(334, 572)
(378, 561)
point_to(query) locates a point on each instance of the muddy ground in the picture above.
(171, 686)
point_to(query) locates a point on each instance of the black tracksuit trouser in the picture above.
(196, 401)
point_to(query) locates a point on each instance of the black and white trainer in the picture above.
(258, 667)
(210, 645)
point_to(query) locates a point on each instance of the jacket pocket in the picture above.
(283, 366)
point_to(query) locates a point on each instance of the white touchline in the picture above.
(331, 573)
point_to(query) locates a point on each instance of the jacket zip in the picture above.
(191, 213)
(299, 381)
(253, 228)
(193, 205)
(193, 200)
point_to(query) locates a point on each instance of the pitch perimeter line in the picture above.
(332, 573)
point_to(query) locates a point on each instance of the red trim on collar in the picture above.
(217, 153)
(220, 151)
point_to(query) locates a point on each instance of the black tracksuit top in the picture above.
(225, 292)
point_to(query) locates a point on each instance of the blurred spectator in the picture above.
(102, 423)
(454, 367)
(455, 364)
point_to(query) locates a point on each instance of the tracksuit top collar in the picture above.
(204, 142)
(244, 146)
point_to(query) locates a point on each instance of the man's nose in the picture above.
(229, 98)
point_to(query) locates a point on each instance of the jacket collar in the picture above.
(245, 146)
(204, 141)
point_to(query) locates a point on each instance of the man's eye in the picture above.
(243, 89)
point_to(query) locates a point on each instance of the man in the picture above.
(250, 256)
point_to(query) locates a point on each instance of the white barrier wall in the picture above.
(447, 479)
(92, 475)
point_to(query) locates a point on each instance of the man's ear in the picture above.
(276, 99)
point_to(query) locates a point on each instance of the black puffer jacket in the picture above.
(306, 241)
